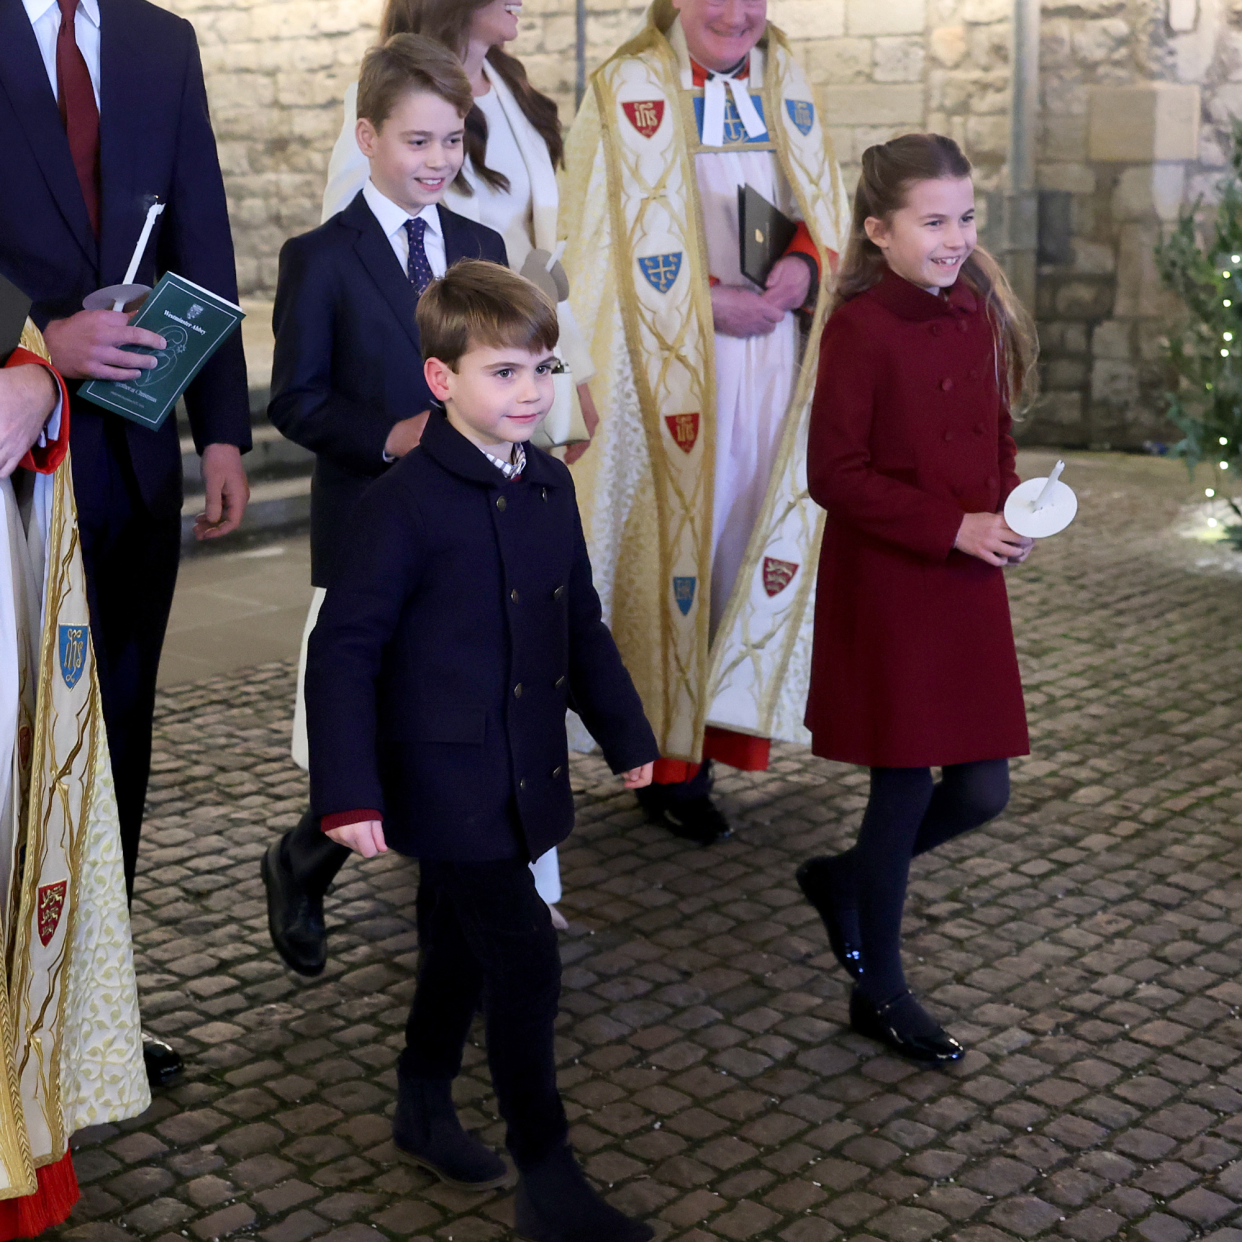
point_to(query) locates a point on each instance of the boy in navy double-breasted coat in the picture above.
(454, 635)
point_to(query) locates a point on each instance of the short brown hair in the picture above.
(483, 304)
(409, 62)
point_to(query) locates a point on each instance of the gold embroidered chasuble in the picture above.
(637, 264)
(69, 1005)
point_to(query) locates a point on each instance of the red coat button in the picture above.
(974, 373)
(963, 326)
(978, 429)
(948, 435)
(934, 329)
(946, 385)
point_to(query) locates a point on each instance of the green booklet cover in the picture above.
(194, 324)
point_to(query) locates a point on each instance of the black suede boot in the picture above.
(556, 1203)
(427, 1131)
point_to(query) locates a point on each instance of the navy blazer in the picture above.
(155, 138)
(348, 363)
(452, 638)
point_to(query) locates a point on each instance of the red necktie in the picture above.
(78, 110)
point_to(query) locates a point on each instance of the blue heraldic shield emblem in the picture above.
(661, 270)
(801, 113)
(734, 130)
(73, 652)
(683, 593)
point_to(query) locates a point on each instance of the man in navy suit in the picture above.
(102, 109)
(347, 373)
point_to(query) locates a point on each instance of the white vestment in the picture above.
(71, 1037)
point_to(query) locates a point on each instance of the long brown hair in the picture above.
(889, 169)
(448, 22)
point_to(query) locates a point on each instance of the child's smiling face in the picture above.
(495, 396)
(416, 152)
(927, 240)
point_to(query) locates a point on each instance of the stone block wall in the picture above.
(1136, 101)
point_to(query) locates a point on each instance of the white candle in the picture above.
(140, 249)
(555, 257)
(1042, 498)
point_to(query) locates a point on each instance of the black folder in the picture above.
(764, 234)
(14, 307)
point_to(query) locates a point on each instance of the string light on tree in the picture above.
(1200, 260)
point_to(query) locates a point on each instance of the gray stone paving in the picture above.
(1084, 946)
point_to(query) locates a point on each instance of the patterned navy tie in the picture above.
(418, 269)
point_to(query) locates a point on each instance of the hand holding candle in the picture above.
(1041, 507)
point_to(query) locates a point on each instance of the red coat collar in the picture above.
(908, 301)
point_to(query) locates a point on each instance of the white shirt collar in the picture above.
(391, 217)
(35, 9)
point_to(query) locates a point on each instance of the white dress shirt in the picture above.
(392, 220)
(45, 18)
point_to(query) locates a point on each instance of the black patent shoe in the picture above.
(693, 819)
(294, 916)
(815, 879)
(426, 1131)
(903, 1025)
(162, 1060)
(556, 1203)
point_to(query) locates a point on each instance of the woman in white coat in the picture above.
(513, 148)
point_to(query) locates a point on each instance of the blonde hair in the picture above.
(889, 170)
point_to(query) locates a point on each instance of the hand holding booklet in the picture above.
(194, 324)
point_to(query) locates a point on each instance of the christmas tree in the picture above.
(1205, 271)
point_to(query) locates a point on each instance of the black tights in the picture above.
(908, 815)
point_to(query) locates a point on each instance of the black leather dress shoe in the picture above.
(294, 916)
(693, 819)
(815, 879)
(903, 1025)
(162, 1060)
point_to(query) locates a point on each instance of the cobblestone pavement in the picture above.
(1084, 947)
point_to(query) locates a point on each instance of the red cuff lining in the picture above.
(45, 460)
(804, 244)
(343, 819)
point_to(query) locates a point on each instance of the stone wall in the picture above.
(1136, 103)
(1136, 100)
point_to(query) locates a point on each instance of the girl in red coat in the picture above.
(910, 452)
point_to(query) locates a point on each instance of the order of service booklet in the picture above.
(194, 324)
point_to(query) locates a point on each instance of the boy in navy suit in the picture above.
(347, 374)
(455, 632)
